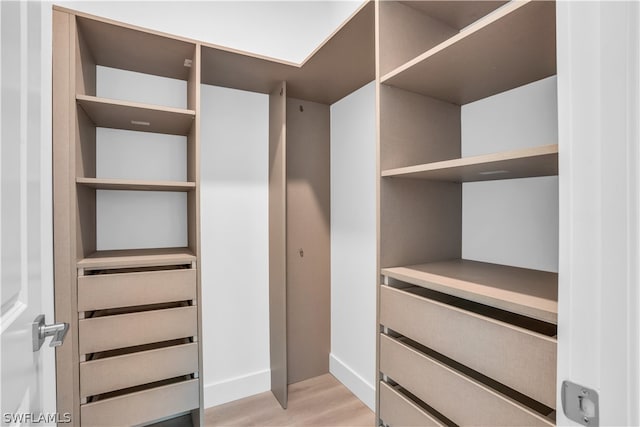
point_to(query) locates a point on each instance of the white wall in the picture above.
(512, 222)
(353, 243)
(288, 30)
(131, 219)
(235, 243)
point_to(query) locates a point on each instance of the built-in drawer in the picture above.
(103, 291)
(129, 370)
(142, 406)
(455, 395)
(514, 356)
(397, 410)
(133, 329)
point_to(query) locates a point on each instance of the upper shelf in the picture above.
(510, 47)
(135, 185)
(131, 258)
(111, 113)
(522, 163)
(522, 291)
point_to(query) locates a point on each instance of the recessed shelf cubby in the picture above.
(131, 227)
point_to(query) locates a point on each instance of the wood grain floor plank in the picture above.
(317, 402)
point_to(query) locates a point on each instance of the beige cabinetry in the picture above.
(134, 355)
(460, 341)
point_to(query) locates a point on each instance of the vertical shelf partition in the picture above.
(460, 341)
(135, 356)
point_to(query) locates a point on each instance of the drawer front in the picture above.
(143, 406)
(455, 395)
(127, 330)
(129, 289)
(398, 411)
(130, 370)
(513, 356)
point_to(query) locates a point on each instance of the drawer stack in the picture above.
(447, 360)
(138, 346)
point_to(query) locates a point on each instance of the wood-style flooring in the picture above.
(317, 402)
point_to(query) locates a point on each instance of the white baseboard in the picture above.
(354, 382)
(236, 388)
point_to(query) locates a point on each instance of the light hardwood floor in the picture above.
(319, 402)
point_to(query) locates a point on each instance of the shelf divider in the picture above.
(531, 293)
(522, 163)
(110, 113)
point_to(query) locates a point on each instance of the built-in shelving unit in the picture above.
(135, 185)
(453, 329)
(523, 163)
(134, 354)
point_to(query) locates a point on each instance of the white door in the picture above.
(28, 377)
(599, 162)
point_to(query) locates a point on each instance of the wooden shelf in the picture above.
(131, 258)
(115, 114)
(522, 291)
(510, 47)
(135, 185)
(523, 163)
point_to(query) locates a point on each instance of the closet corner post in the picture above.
(278, 241)
(193, 203)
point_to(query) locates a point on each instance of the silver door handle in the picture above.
(40, 331)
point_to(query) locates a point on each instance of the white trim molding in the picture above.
(353, 381)
(236, 388)
(598, 106)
